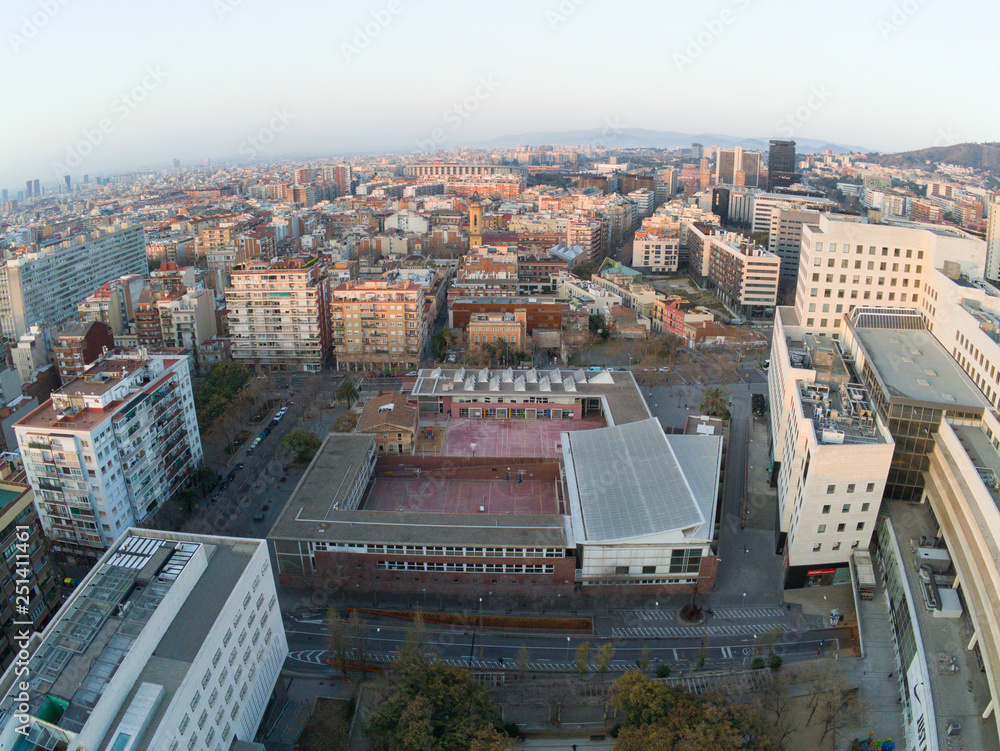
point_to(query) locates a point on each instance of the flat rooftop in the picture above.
(984, 456)
(913, 365)
(841, 413)
(617, 388)
(511, 493)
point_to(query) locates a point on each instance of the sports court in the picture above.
(430, 493)
(510, 438)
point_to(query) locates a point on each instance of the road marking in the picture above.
(727, 653)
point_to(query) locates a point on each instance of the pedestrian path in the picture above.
(749, 629)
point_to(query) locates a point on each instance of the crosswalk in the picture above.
(727, 613)
(319, 657)
(662, 632)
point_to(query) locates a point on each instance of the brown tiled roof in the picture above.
(400, 416)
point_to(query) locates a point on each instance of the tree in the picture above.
(715, 402)
(581, 657)
(605, 653)
(441, 342)
(433, 707)
(644, 657)
(337, 640)
(216, 393)
(671, 346)
(301, 443)
(347, 392)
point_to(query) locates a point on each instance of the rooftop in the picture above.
(628, 481)
(617, 388)
(841, 413)
(911, 363)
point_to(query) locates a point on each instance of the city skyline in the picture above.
(236, 80)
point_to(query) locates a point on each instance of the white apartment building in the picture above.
(188, 319)
(742, 274)
(846, 264)
(784, 238)
(764, 203)
(46, 285)
(657, 252)
(172, 642)
(110, 447)
(278, 316)
(992, 271)
(594, 298)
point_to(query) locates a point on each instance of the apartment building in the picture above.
(656, 252)
(488, 271)
(846, 264)
(47, 284)
(25, 558)
(493, 328)
(105, 306)
(439, 170)
(377, 324)
(590, 233)
(743, 275)
(187, 317)
(279, 314)
(78, 345)
(172, 642)
(108, 448)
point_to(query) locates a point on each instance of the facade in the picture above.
(738, 167)
(656, 252)
(78, 345)
(540, 312)
(279, 314)
(992, 271)
(187, 318)
(781, 164)
(177, 643)
(377, 325)
(743, 275)
(439, 170)
(47, 285)
(108, 448)
(494, 328)
(106, 306)
(846, 264)
(26, 559)
(391, 422)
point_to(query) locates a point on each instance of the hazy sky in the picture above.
(150, 81)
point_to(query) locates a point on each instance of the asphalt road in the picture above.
(308, 653)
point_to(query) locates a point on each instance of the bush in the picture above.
(662, 670)
(774, 661)
(757, 663)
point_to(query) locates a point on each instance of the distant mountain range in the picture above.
(981, 156)
(654, 139)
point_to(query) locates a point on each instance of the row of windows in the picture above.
(462, 551)
(831, 489)
(468, 568)
(842, 527)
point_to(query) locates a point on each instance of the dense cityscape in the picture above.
(603, 439)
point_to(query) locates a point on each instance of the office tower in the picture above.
(177, 163)
(3, 196)
(86, 179)
(992, 270)
(28, 188)
(720, 204)
(377, 325)
(781, 164)
(279, 314)
(69, 186)
(172, 641)
(697, 151)
(303, 176)
(737, 167)
(110, 447)
(38, 188)
(726, 165)
(47, 285)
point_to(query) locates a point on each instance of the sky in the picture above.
(96, 86)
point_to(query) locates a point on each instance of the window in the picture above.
(865, 507)
(821, 529)
(850, 487)
(871, 487)
(213, 697)
(861, 526)
(621, 570)
(185, 720)
(202, 719)
(817, 547)
(826, 509)
(195, 699)
(846, 509)
(215, 660)
(830, 490)
(836, 546)
(841, 527)
(649, 569)
(207, 677)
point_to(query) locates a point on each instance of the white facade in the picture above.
(110, 447)
(46, 286)
(658, 252)
(992, 271)
(196, 648)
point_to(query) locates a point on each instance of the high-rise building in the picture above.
(3, 196)
(303, 176)
(173, 641)
(46, 285)
(279, 314)
(377, 325)
(27, 188)
(697, 151)
(78, 345)
(992, 271)
(38, 188)
(781, 165)
(110, 447)
(69, 182)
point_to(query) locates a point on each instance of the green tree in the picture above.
(347, 392)
(434, 707)
(605, 653)
(715, 402)
(302, 444)
(581, 657)
(219, 389)
(586, 270)
(441, 342)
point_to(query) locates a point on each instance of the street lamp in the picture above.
(744, 600)
(567, 649)
(480, 613)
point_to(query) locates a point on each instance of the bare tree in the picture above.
(603, 657)
(775, 707)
